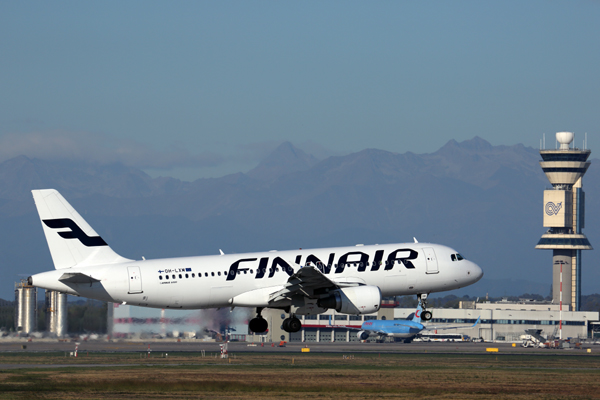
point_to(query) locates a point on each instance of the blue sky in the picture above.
(197, 89)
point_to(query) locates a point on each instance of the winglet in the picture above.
(221, 251)
(415, 239)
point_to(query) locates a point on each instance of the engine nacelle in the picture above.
(362, 335)
(353, 300)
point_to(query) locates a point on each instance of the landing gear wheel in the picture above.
(422, 299)
(295, 325)
(291, 325)
(258, 325)
(426, 315)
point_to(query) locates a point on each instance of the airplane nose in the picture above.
(475, 271)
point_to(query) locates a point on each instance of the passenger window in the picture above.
(179, 276)
(212, 273)
(187, 276)
(219, 273)
(160, 277)
(193, 275)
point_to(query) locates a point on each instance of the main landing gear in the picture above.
(425, 315)
(258, 324)
(291, 324)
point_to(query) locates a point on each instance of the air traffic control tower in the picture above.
(564, 211)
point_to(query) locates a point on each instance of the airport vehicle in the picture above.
(407, 329)
(445, 337)
(351, 280)
(534, 338)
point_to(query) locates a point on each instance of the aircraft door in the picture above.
(135, 280)
(431, 260)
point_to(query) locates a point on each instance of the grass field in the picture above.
(297, 375)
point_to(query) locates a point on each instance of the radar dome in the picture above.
(565, 139)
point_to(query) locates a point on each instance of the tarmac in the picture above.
(191, 345)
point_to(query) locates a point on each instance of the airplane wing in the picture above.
(77, 277)
(433, 328)
(308, 282)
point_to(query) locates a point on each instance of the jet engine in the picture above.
(353, 300)
(362, 335)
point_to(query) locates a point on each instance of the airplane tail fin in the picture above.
(416, 317)
(71, 240)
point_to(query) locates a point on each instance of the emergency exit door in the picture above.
(135, 280)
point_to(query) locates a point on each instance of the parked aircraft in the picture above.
(406, 329)
(351, 280)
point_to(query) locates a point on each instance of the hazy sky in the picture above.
(196, 89)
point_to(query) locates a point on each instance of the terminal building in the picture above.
(500, 321)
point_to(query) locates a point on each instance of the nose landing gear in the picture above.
(425, 315)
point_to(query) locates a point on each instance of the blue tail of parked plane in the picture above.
(416, 316)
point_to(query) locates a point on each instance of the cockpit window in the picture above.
(453, 257)
(456, 257)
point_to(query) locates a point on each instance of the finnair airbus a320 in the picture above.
(351, 280)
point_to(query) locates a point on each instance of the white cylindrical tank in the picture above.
(19, 300)
(48, 303)
(61, 314)
(29, 309)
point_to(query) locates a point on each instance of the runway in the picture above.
(190, 346)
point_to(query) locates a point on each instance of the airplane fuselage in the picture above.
(247, 279)
(400, 329)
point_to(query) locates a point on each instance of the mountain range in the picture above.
(483, 200)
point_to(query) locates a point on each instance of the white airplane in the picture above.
(351, 280)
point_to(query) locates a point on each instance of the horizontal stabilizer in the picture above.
(77, 277)
(431, 328)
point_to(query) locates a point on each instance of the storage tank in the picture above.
(49, 307)
(61, 314)
(26, 311)
(19, 309)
